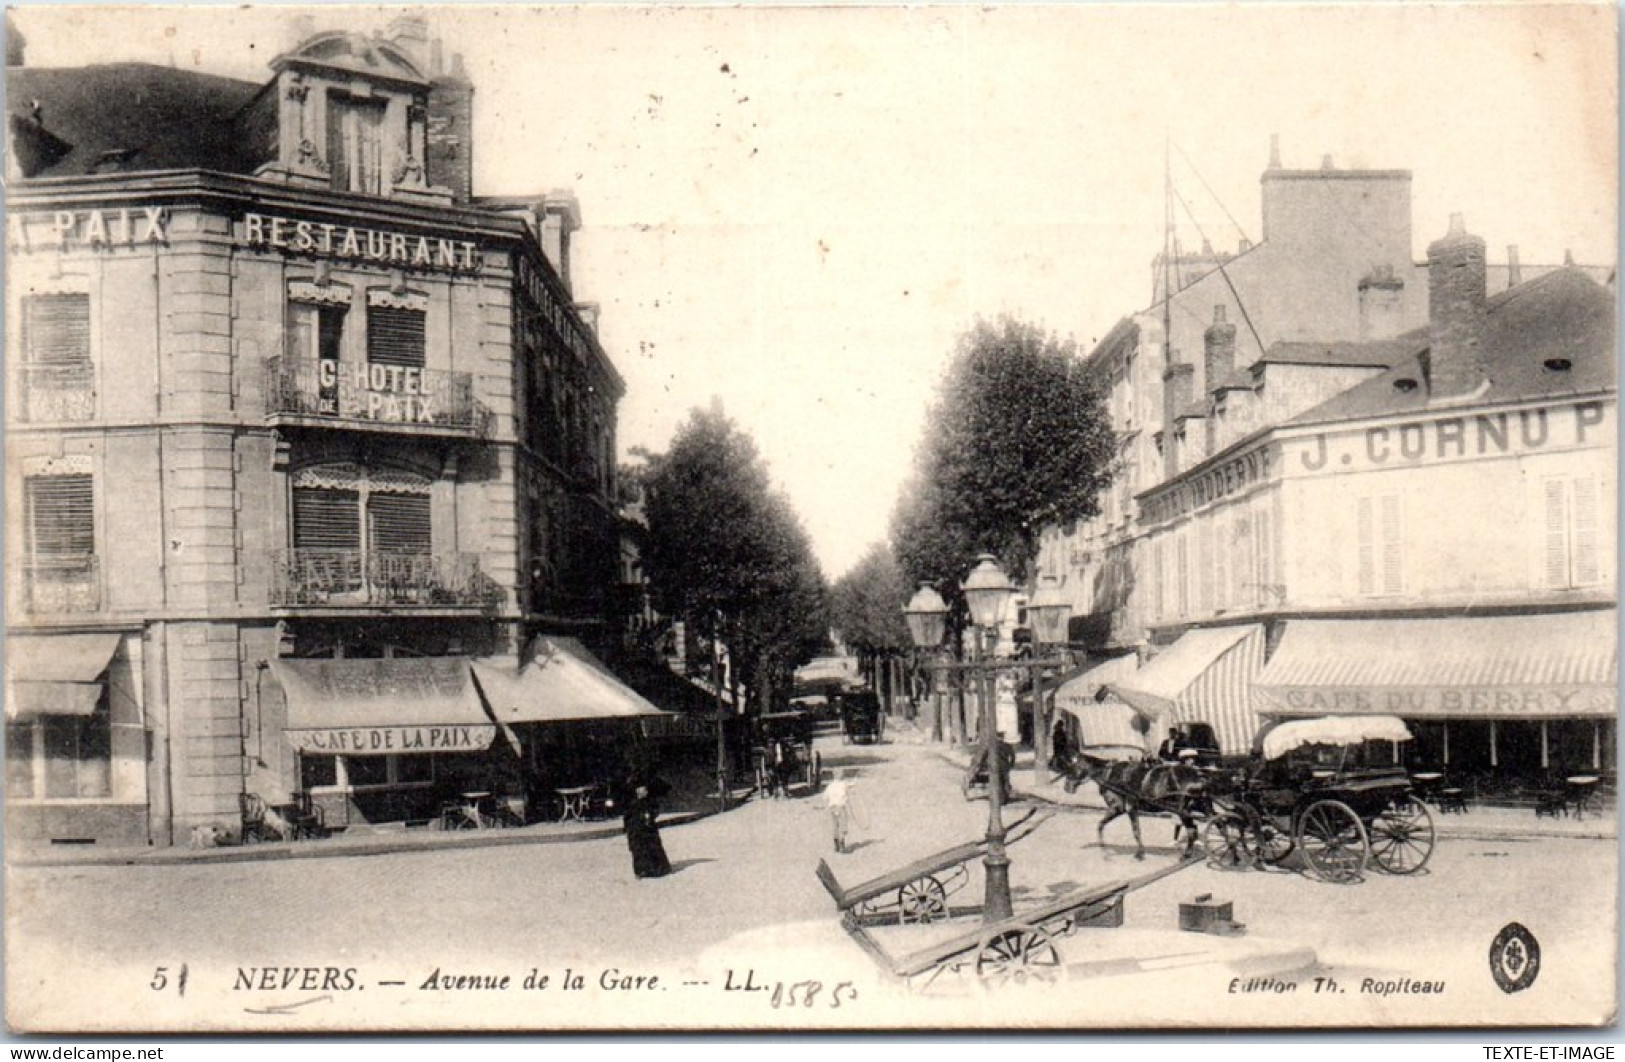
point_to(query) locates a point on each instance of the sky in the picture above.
(798, 210)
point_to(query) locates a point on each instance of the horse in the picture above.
(1149, 786)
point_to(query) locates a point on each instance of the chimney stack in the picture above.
(1456, 295)
(1514, 267)
(450, 162)
(561, 216)
(1177, 386)
(1218, 350)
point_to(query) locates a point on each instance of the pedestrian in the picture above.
(639, 802)
(838, 798)
(1168, 751)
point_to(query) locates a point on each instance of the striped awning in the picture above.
(1483, 667)
(1103, 720)
(1205, 677)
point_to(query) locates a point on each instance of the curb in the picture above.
(281, 850)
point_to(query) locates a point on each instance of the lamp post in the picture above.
(1047, 614)
(987, 593)
(927, 615)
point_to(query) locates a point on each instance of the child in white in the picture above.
(838, 798)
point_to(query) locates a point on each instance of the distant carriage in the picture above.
(861, 719)
(782, 752)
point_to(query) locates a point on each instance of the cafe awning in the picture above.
(1484, 667)
(383, 707)
(561, 682)
(56, 674)
(1204, 677)
(1103, 720)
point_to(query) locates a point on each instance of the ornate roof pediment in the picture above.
(354, 54)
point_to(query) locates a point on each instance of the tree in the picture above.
(1017, 440)
(727, 554)
(866, 604)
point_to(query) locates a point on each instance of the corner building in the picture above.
(296, 424)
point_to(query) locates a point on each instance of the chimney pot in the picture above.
(1458, 225)
(1514, 267)
(1275, 151)
(1326, 163)
(1568, 256)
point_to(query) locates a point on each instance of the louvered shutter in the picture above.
(56, 329)
(1393, 546)
(61, 520)
(1557, 534)
(395, 336)
(1587, 559)
(1366, 536)
(325, 519)
(398, 523)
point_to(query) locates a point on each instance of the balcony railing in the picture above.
(389, 396)
(62, 583)
(52, 393)
(342, 578)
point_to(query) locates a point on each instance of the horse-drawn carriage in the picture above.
(1310, 792)
(860, 717)
(782, 752)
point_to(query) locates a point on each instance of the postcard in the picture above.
(795, 518)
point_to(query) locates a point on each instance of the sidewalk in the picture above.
(1479, 822)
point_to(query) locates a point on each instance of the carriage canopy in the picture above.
(1333, 730)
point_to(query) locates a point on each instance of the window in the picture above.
(395, 330)
(355, 144)
(358, 529)
(1379, 530)
(1573, 554)
(1183, 576)
(57, 381)
(61, 757)
(60, 539)
(363, 772)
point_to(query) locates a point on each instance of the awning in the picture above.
(56, 674)
(1103, 720)
(1483, 667)
(562, 682)
(383, 707)
(1333, 730)
(1203, 678)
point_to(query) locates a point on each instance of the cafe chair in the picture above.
(254, 827)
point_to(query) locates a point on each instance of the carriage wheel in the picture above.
(1224, 841)
(1267, 844)
(1333, 841)
(922, 900)
(1019, 956)
(1402, 837)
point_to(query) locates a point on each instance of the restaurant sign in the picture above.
(391, 740)
(326, 239)
(1448, 702)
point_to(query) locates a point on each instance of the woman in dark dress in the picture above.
(640, 805)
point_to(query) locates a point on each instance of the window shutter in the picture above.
(1365, 533)
(1587, 553)
(56, 329)
(61, 519)
(395, 336)
(1158, 596)
(398, 523)
(1557, 534)
(1265, 559)
(1393, 545)
(326, 519)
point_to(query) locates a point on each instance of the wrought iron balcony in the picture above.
(62, 583)
(349, 578)
(374, 397)
(54, 393)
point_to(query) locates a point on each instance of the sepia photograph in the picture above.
(805, 518)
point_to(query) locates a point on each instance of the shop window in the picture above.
(318, 772)
(1574, 549)
(355, 144)
(1379, 530)
(61, 757)
(365, 772)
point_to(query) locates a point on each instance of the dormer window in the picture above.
(355, 143)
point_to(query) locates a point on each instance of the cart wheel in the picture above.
(1224, 841)
(1402, 837)
(1333, 841)
(1266, 844)
(922, 900)
(1019, 956)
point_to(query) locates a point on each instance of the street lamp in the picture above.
(1047, 614)
(987, 594)
(927, 616)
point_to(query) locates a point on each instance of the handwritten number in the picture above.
(160, 979)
